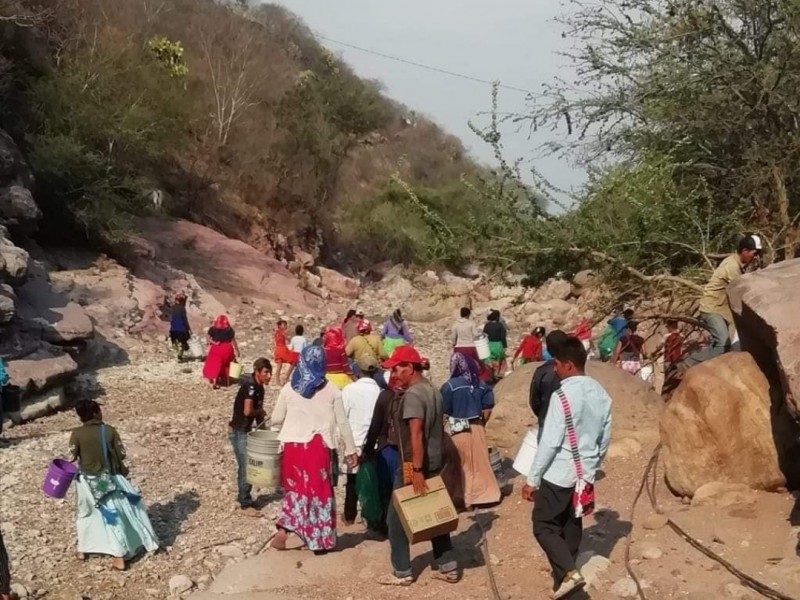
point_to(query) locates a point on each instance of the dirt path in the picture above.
(174, 427)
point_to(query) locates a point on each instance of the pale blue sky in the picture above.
(513, 41)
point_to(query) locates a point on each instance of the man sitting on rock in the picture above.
(573, 444)
(715, 310)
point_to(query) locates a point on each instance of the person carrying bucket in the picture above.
(112, 518)
(248, 410)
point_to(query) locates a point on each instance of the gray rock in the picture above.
(649, 551)
(592, 566)
(46, 367)
(654, 522)
(231, 551)
(43, 405)
(179, 584)
(20, 590)
(8, 306)
(624, 588)
(17, 203)
(51, 313)
(13, 261)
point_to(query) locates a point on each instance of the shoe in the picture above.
(573, 581)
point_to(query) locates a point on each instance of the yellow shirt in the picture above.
(365, 344)
(715, 296)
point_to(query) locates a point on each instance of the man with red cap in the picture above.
(421, 425)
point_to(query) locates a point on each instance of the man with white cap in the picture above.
(715, 309)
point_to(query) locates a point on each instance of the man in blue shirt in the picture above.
(553, 477)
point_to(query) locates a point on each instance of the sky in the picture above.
(513, 41)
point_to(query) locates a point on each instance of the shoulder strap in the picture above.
(104, 445)
(571, 435)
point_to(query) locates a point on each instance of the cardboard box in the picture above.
(426, 517)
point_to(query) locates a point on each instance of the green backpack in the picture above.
(606, 343)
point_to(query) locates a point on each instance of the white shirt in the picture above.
(297, 343)
(359, 400)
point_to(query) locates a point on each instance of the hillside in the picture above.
(235, 117)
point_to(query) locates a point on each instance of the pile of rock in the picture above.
(321, 281)
(42, 330)
(432, 296)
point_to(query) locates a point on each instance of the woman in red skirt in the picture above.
(222, 351)
(283, 355)
(310, 411)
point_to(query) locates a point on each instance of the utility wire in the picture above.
(428, 67)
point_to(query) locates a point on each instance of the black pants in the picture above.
(556, 529)
(350, 498)
(5, 575)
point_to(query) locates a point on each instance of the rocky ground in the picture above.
(174, 428)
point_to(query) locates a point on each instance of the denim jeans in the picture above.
(239, 442)
(720, 339)
(443, 554)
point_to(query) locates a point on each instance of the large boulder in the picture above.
(716, 428)
(45, 368)
(765, 306)
(52, 313)
(13, 260)
(17, 205)
(339, 284)
(633, 408)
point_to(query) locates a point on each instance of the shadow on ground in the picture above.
(168, 517)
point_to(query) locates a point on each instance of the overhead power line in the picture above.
(427, 67)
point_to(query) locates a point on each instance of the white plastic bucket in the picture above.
(526, 455)
(646, 373)
(235, 370)
(263, 459)
(196, 347)
(482, 347)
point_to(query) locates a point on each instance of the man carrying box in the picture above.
(421, 425)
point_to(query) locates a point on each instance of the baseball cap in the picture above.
(751, 242)
(404, 354)
(367, 363)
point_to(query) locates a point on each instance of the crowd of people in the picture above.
(352, 392)
(368, 393)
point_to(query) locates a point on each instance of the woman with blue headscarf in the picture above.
(309, 410)
(467, 402)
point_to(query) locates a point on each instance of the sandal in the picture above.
(448, 577)
(393, 580)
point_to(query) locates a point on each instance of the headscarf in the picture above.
(309, 375)
(333, 338)
(397, 319)
(364, 326)
(462, 365)
(221, 322)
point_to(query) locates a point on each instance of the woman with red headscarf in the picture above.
(337, 367)
(222, 351)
